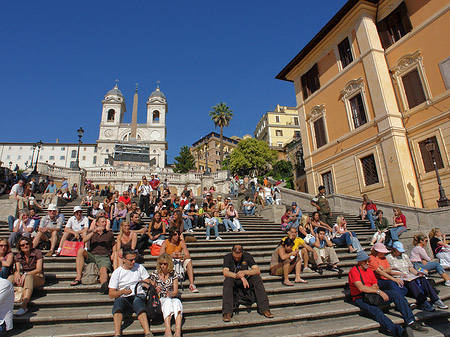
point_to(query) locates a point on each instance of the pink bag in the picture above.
(70, 248)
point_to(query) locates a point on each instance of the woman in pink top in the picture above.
(420, 258)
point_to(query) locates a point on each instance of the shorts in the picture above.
(154, 193)
(99, 260)
(128, 304)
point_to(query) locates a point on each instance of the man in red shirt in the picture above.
(125, 198)
(362, 280)
(154, 183)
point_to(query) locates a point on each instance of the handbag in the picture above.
(70, 248)
(155, 249)
(308, 237)
(18, 294)
(370, 298)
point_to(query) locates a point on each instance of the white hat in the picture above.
(77, 208)
(52, 207)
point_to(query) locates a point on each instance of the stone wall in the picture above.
(7, 207)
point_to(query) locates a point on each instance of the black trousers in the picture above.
(144, 203)
(417, 293)
(260, 292)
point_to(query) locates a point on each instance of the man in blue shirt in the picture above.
(49, 193)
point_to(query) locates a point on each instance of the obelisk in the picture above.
(133, 139)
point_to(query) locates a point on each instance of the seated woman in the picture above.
(305, 228)
(316, 223)
(342, 236)
(6, 258)
(284, 260)
(212, 223)
(120, 214)
(157, 229)
(165, 280)
(233, 219)
(87, 200)
(399, 226)
(416, 282)
(66, 195)
(439, 246)
(29, 272)
(125, 240)
(420, 258)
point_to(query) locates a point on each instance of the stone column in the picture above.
(134, 118)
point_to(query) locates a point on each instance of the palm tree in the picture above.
(221, 115)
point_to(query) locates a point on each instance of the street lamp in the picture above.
(80, 132)
(38, 145)
(430, 145)
(32, 156)
(227, 157)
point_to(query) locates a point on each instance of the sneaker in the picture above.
(207, 238)
(308, 270)
(193, 288)
(228, 230)
(447, 283)
(21, 312)
(417, 326)
(218, 238)
(440, 304)
(191, 230)
(235, 230)
(320, 270)
(242, 230)
(427, 306)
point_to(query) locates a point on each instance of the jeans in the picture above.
(269, 201)
(249, 211)
(161, 237)
(386, 285)
(116, 224)
(187, 223)
(369, 216)
(396, 232)
(11, 220)
(129, 304)
(344, 239)
(208, 230)
(5, 272)
(229, 224)
(429, 266)
(418, 294)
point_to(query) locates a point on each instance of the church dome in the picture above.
(157, 94)
(115, 92)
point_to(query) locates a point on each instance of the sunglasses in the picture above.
(163, 264)
(3, 245)
(131, 260)
(24, 244)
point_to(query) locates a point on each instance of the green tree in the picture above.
(221, 115)
(252, 157)
(185, 161)
(282, 169)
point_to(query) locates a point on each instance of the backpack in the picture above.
(243, 296)
(90, 274)
(152, 304)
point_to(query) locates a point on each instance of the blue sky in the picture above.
(59, 58)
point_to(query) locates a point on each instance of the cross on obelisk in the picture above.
(117, 81)
(134, 116)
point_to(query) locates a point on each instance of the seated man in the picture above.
(249, 207)
(49, 193)
(93, 210)
(122, 287)
(288, 221)
(362, 281)
(49, 229)
(17, 194)
(192, 213)
(241, 270)
(133, 208)
(296, 211)
(176, 247)
(125, 198)
(301, 245)
(23, 226)
(140, 229)
(101, 244)
(76, 228)
(326, 255)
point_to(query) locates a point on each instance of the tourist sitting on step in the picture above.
(125, 198)
(176, 247)
(258, 202)
(421, 260)
(140, 229)
(326, 255)
(296, 211)
(17, 194)
(93, 210)
(125, 240)
(106, 205)
(133, 208)
(398, 227)
(29, 272)
(302, 246)
(176, 221)
(187, 221)
(439, 246)
(320, 202)
(120, 214)
(23, 226)
(6, 259)
(368, 209)
(212, 222)
(242, 274)
(416, 282)
(343, 237)
(101, 213)
(288, 221)
(101, 243)
(49, 229)
(232, 219)
(317, 223)
(382, 269)
(284, 260)
(363, 281)
(183, 200)
(124, 281)
(49, 193)
(165, 280)
(157, 229)
(305, 228)
(87, 199)
(76, 228)
(193, 215)
(381, 226)
(248, 206)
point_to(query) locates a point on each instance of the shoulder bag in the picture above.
(370, 298)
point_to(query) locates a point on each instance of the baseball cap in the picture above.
(399, 246)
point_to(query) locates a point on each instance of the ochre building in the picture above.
(371, 87)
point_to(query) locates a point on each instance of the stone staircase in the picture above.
(313, 309)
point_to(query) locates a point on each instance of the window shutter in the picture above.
(319, 130)
(413, 88)
(369, 170)
(426, 156)
(383, 31)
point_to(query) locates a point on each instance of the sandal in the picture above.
(75, 283)
(288, 284)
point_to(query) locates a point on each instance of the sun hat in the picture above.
(380, 248)
(362, 256)
(399, 246)
(52, 207)
(77, 208)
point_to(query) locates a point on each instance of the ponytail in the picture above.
(417, 238)
(433, 232)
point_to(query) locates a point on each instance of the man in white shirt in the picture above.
(144, 196)
(76, 227)
(49, 229)
(17, 194)
(7, 305)
(22, 227)
(122, 286)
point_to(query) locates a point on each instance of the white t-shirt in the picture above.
(122, 278)
(21, 230)
(17, 190)
(145, 189)
(7, 303)
(76, 225)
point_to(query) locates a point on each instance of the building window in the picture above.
(394, 26)
(94, 160)
(345, 53)
(74, 154)
(444, 66)
(369, 170)
(62, 157)
(279, 133)
(310, 82)
(296, 134)
(296, 121)
(51, 158)
(319, 131)
(111, 113)
(201, 167)
(19, 157)
(95, 149)
(426, 156)
(280, 144)
(358, 112)
(156, 116)
(84, 157)
(8, 156)
(277, 119)
(413, 88)
(327, 180)
(106, 162)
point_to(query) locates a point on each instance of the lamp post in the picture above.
(32, 155)
(431, 147)
(38, 145)
(80, 132)
(227, 157)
